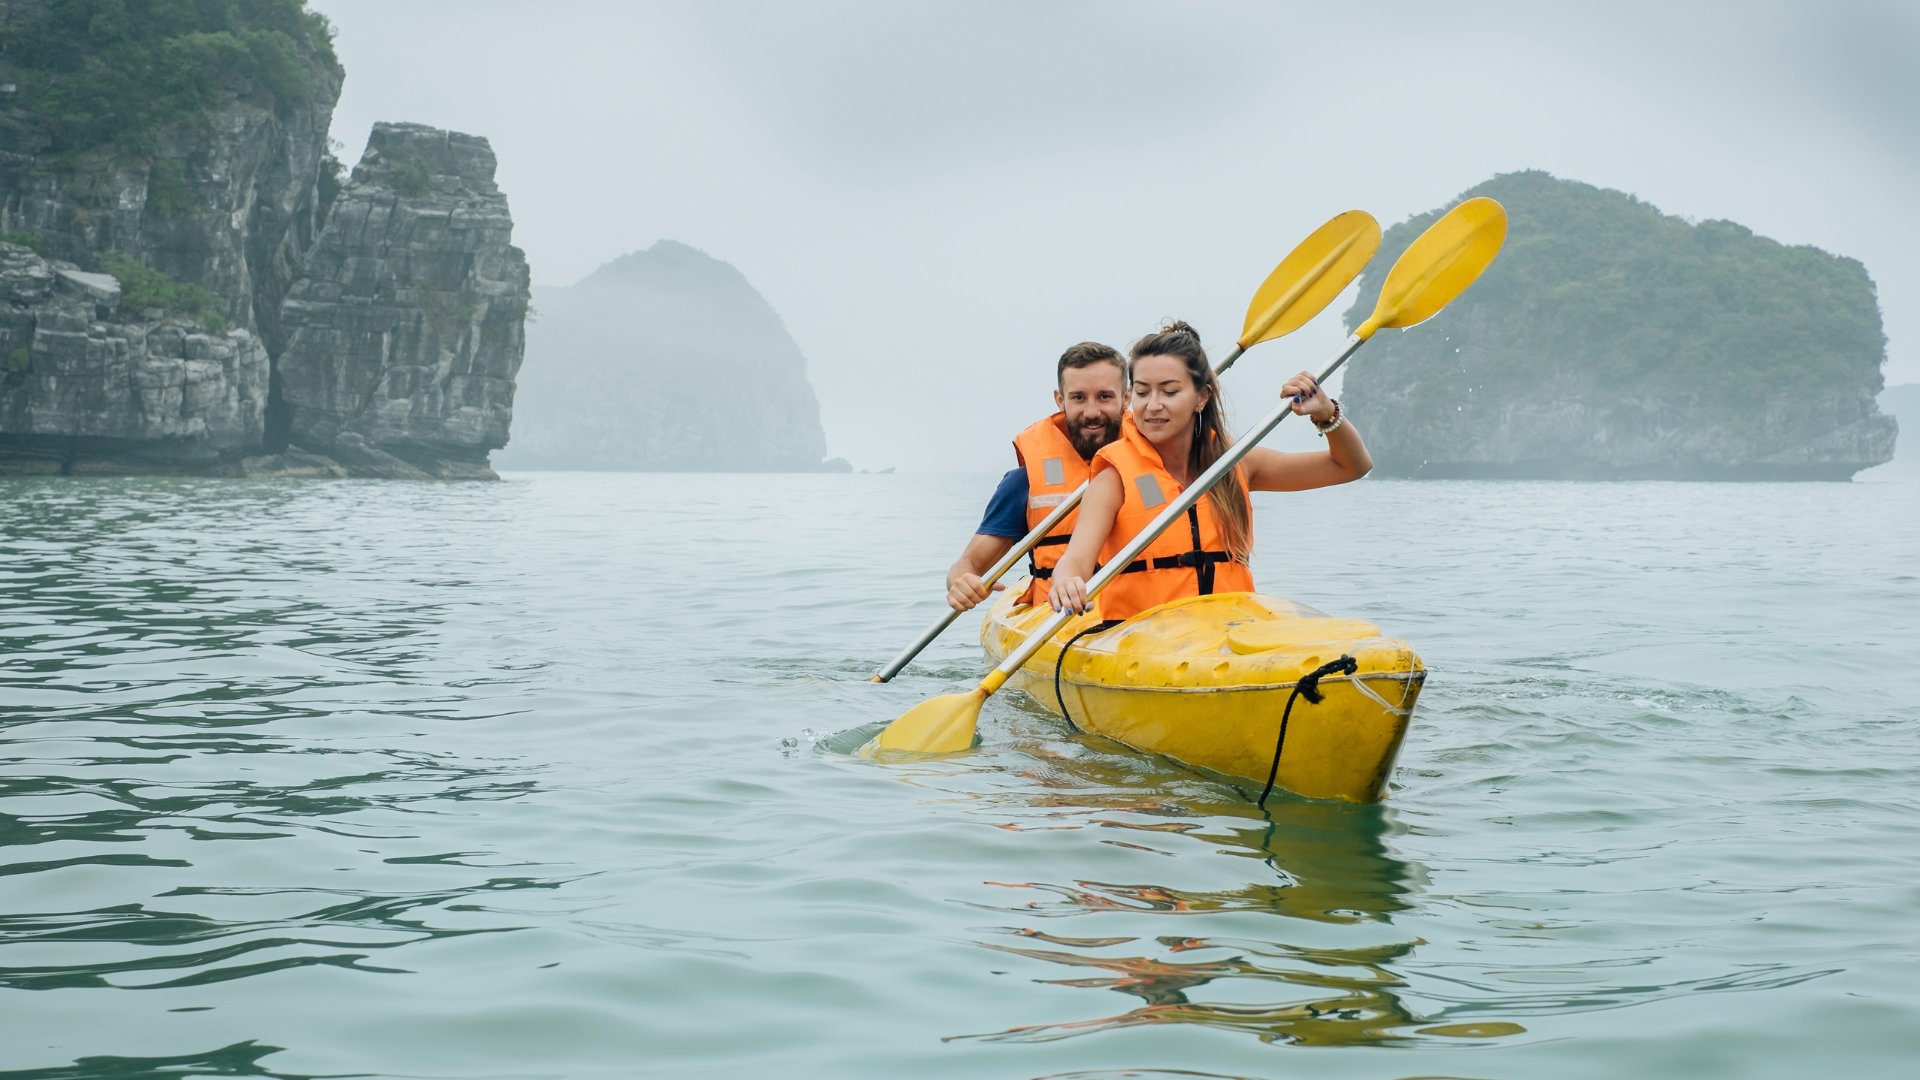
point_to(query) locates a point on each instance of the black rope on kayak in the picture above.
(1061, 660)
(1308, 687)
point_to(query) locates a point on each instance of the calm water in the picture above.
(534, 780)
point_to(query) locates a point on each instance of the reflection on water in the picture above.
(1320, 871)
(1325, 863)
(166, 948)
(239, 1059)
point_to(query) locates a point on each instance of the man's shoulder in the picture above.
(1006, 514)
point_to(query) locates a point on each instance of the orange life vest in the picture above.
(1054, 470)
(1188, 558)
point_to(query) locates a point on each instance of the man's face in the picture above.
(1093, 398)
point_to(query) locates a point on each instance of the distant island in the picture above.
(1611, 341)
(664, 360)
(192, 284)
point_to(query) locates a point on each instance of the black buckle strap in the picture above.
(1186, 559)
(1199, 561)
(1034, 569)
(1191, 558)
(1202, 566)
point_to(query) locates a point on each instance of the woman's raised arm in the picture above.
(1345, 458)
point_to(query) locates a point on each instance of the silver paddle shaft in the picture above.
(993, 574)
(1167, 517)
(1014, 554)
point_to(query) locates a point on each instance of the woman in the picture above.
(1178, 430)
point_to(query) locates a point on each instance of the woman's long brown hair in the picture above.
(1210, 438)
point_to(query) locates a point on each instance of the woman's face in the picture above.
(1164, 400)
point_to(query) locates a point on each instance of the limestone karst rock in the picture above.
(205, 187)
(664, 359)
(87, 387)
(405, 332)
(191, 289)
(223, 196)
(1611, 341)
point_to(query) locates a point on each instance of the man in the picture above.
(1054, 453)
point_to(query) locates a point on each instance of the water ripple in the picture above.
(551, 778)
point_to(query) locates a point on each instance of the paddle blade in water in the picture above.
(941, 725)
(1439, 265)
(1308, 279)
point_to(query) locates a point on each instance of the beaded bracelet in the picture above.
(1333, 424)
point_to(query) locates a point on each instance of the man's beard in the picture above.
(1086, 445)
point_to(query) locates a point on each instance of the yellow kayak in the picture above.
(1204, 680)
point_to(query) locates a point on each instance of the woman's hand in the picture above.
(1308, 399)
(1097, 511)
(1069, 592)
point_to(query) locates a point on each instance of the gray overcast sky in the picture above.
(938, 198)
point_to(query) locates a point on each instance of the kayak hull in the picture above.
(1205, 680)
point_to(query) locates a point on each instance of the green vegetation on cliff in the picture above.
(1610, 340)
(1598, 287)
(92, 73)
(142, 288)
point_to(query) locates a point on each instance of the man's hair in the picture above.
(1086, 354)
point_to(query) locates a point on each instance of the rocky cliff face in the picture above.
(221, 200)
(88, 388)
(1609, 341)
(1903, 404)
(666, 359)
(405, 333)
(176, 300)
(225, 200)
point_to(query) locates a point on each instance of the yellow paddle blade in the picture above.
(1439, 265)
(1308, 279)
(941, 725)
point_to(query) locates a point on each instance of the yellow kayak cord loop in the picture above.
(1308, 687)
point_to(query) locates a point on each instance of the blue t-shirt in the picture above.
(1006, 514)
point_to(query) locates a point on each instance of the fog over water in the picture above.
(938, 198)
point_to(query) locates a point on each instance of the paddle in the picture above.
(1435, 269)
(1305, 282)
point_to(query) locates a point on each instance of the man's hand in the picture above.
(965, 590)
(964, 587)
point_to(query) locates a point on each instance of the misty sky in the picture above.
(938, 198)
